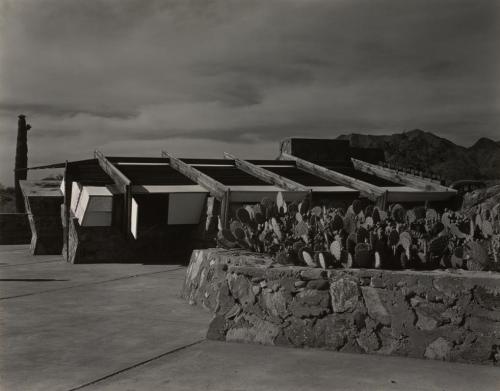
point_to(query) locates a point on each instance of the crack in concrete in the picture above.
(90, 283)
(31, 263)
(136, 365)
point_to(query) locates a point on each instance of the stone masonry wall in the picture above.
(14, 228)
(45, 223)
(109, 244)
(436, 314)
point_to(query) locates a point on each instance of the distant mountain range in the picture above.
(427, 152)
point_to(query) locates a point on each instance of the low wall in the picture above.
(14, 228)
(452, 316)
(43, 201)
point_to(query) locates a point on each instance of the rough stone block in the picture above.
(345, 293)
(374, 305)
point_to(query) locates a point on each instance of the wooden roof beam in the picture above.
(215, 188)
(266, 175)
(366, 189)
(114, 173)
(399, 177)
(124, 184)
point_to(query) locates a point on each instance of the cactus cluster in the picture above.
(364, 236)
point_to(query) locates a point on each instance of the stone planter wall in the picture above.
(435, 314)
(14, 228)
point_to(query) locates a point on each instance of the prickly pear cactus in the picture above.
(330, 236)
(336, 250)
(349, 224)
(398, 213)
(362, 235)
(431, 214)
(357, 206)
(363, 256)
(487, 228)
(317, 211)
(376, 216)
(393, 238)
(457, 258)
(405, 240)
(307, 257)
(337, 223)
(243, 215)
(411, 217)
(438, 246)
(237, 230)
(420, 212)
(476, 256)
(304, 206)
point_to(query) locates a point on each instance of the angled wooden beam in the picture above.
(114, 173)
(124, 184)
(55, 165)
(366, 189)
(399, 177)
(217, 189)
(266, 175)
(214, 187)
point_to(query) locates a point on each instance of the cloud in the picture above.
(220, 74)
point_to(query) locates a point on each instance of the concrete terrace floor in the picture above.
(124, 327)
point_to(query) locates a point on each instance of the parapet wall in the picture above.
(14, 228)
(452, 316)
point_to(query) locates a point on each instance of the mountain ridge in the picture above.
(426, 151)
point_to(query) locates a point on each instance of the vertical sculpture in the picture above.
(21, 172)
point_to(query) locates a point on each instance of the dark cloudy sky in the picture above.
(201, 77)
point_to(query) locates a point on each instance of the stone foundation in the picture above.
(452, 316)
(14, 228)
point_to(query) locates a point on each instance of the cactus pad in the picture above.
(362, 235)
(393, 238)
(307, 258)
(337, 223)
(419, 212)
(438, 246)
(431, 214)
(324, 259)
(304, 206)
(317, 211)
(349, 223)
(357, 206)
(398, 213)
(411, 217)
(405, 240)
(487, 228)
(362, 256)
(477, 253)
(336, 250)
(437, 228)
(301, 229)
